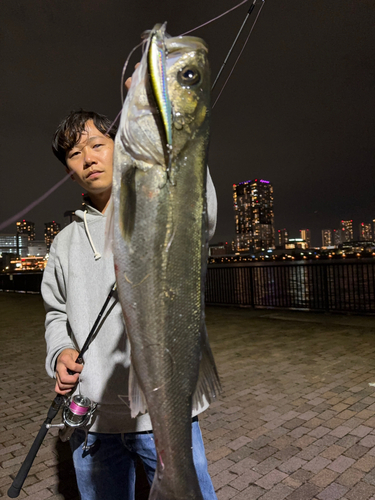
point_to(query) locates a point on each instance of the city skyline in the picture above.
(345, 229)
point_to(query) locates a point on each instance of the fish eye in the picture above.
(189, 76)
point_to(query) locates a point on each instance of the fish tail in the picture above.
(208, 386)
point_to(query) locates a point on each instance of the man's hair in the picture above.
(69, 132)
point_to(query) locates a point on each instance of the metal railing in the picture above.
(341, 286)
(24, 281)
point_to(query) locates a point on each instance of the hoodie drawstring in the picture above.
(97, 255)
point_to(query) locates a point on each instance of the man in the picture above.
(76, 282)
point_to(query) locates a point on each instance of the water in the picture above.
(338, 286)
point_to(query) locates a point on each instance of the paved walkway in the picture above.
(295, 421)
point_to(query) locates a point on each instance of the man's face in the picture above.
(91, 160)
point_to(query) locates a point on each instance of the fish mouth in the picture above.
(157, 67)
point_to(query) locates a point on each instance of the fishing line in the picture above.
(215, 18)
(20, 214)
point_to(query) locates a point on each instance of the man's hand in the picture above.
(129, 80)
(66, 361)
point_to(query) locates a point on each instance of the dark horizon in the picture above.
(297, 111)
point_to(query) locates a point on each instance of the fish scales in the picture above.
(160, 248)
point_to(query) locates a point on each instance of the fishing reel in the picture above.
(77, 412)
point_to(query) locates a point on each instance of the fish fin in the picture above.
(208, 386)
(128, 203)
(109, 229)
(136, 397)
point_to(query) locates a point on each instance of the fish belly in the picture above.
(160, 260)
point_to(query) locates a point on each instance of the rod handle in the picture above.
(17, 484)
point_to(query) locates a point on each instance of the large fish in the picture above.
(160, 247)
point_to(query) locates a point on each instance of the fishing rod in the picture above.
(77, 412)
(234, 43)
(232, 47)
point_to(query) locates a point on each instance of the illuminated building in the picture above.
(51, 229)
(365, 233)
(283, 237)
(305, 235)
(71, 215)
(253, 207)
(337, 237)
(220, 249)
(296, 243)
(327, 237)
(37, 248)
(26, 227)
(14, 244)
(346, 230)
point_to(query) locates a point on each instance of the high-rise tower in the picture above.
(50, 231)
(283, 237)
(346, 230)
(26, 227)
(305, 235)
(326, 237)
(253, 207)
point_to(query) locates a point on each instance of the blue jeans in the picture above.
(107, 470)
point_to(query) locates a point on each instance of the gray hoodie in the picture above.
(76, 282)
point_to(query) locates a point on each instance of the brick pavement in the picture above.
(296, 419)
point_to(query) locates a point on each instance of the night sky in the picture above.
(298, 111)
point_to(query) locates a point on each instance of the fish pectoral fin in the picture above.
(128, 202)
(109, 229)
(136, 397)
(208, 386)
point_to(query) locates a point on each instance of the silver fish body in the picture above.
(160, 245)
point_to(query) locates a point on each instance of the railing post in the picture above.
(325, 284)
(252, 286)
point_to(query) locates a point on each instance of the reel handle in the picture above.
(17, 484)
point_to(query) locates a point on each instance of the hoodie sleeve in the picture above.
(54, 296)
(211, 205)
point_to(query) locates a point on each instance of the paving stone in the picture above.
(286, 453)
(333, 452)
(340, 431)
(238, 443)
(361, 491)
(365, 464)
(267, 465)
(244, 480)
(278, 492)
(350, 477)
(305, 492)
(319, 432)
(270, 479)
(251, 493)
(341, 464)
(317, 464)
(356, 451)
(361, 431)
(324, 478)
(291, 465)
(224, 478)
(370, 477)
(226, 493)
(368, 441)
(333, 492)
